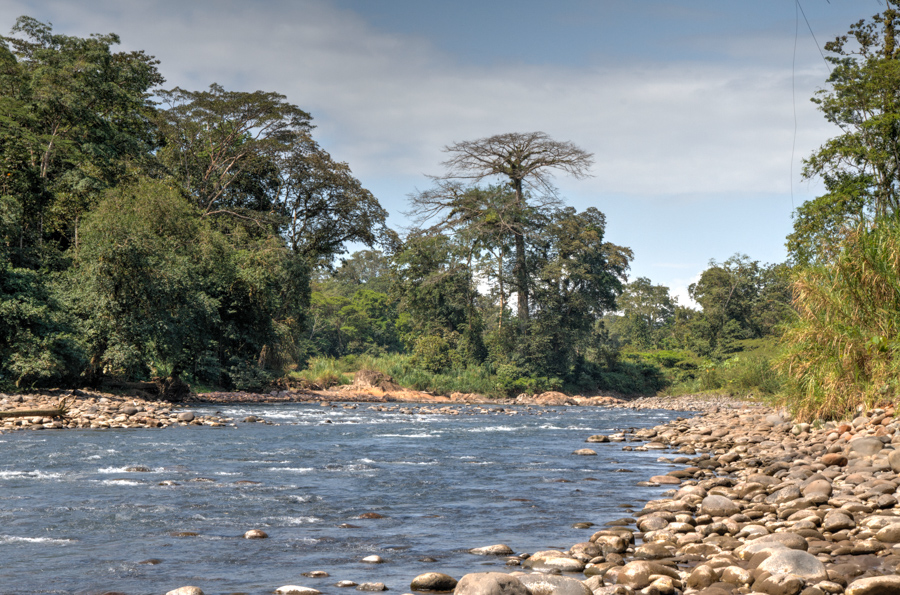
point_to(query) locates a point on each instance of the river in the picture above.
(74, 519)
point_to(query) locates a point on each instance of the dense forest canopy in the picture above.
(203, 235)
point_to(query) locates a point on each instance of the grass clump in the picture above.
(843, 350)
(323, 372)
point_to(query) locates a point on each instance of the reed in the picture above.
(843, 352)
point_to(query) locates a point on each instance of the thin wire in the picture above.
(794, 93)
(798, 10)
(808, 26)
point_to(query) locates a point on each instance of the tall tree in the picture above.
(326, 207)
(863, 101)
(527, 162)
(578, 277)
(223, 146)
(74, 114)
(646, 310)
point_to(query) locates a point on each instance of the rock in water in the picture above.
(553, 583)
(492, 550)
(296, 590)
(433, 581)
(186, 591)
(490, 583)
(255, 534)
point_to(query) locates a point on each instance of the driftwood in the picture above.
(61, 410)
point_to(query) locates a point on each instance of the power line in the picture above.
(808, 26)
(798, 10)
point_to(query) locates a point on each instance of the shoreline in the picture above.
(88, 409)
(756, 503)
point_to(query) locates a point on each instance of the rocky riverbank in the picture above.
(758, 504)
(86, 409)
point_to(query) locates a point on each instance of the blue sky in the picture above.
(689, 107)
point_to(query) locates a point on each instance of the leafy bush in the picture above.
(432, 354)
(37, 343)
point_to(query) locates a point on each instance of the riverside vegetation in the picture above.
(152, 233)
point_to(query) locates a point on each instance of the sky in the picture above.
(697, 112)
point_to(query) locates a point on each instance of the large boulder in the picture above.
(433, 581)
(718, 506)
(889, 534)
(866, 446)
(786, 494)
(787, 539)
(490, 583)
(795, 562)
(876, 585)
(637, 574)
(549, 560)
(552, 584)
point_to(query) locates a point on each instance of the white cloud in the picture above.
(387, 104)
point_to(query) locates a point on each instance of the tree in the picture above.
(578, 277)
(325, 206)
(741, 299)
(437, 295)
(526, 161)
(75, 115)
(222, 146)
(822, 223)
(646, 311)
(863, 102)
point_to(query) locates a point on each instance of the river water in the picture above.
(73, 520)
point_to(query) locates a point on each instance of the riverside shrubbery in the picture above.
(843, 351)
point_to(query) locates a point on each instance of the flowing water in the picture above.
(74, 520)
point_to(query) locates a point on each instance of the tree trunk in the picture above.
(521, 272)
(502, 291)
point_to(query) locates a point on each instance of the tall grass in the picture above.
(843, 351)
(323, 372)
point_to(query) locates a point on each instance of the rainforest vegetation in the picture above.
(205, 235)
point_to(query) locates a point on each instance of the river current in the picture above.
(74, 520)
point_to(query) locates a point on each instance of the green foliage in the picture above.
(741, 299)
(37, 342)
(159, 292)
(136, 282)
(646, 315)
(820, 224)
(324, 372)
(862, 100)
(75, 118)
(842, 351)
(432, 354)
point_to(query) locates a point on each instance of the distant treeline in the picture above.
(202, 235)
